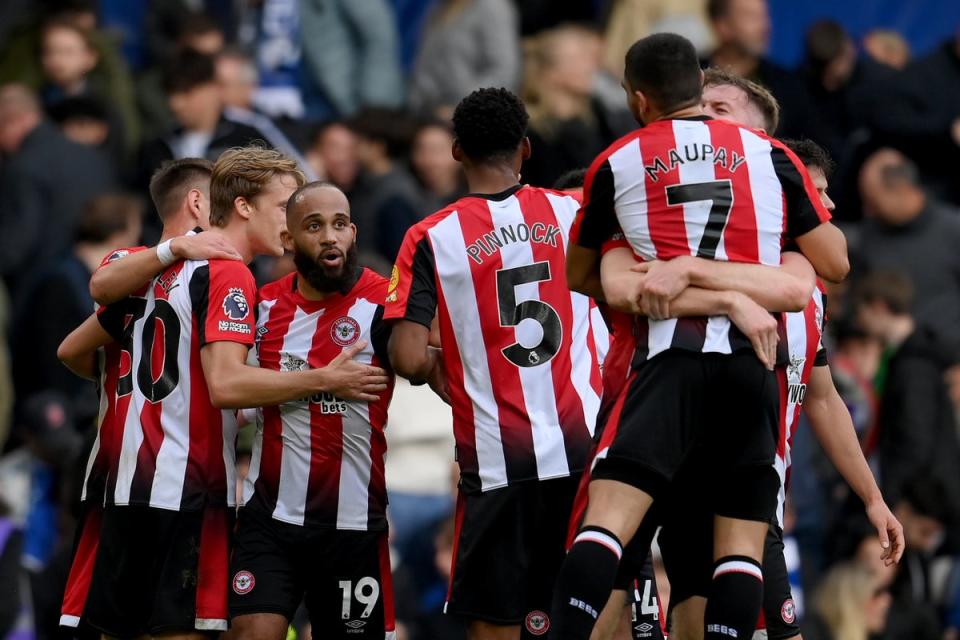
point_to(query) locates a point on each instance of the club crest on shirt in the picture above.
(795, 368)
(235, 304)
(537, 623)
(290, 362)
(819, 316)
(116, 255)
(345, 331)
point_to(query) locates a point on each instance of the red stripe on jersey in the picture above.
(668, 231)
(535, 208)
(516, 433)
(81, 570)
(741, 246)
(206, 430)
(386, 584)
(213, 564)
(463, 419)
(812, 346)
(377, 489)
(326, 441)
(117, 422)
(268, 480)
(588, 178)
(784, 385)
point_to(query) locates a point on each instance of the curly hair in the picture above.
(489, 124)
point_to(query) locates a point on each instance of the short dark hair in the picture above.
(717, 9)
(392, 127)
(811, 154)
(757, 94)
(196, 23)
(490, 124)
(665, 67)
(106, 215)
(927, 496)
(186, 70)
(171, 182)
(890, 288)
(825, 41)
(572, 179)
(79, 108)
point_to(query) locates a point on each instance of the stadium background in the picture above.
(364, 97)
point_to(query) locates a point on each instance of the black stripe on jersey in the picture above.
(801, 213)
(422, 298)
(380, 337)
(199, 293)
(599, 220)
(113, 317)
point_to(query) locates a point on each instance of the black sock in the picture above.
(736, 596)
(584, 584)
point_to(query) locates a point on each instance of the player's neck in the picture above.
(235, 233)
(491, 178)
(900, 329)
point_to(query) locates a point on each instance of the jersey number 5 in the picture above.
(512, 314)
(720, 194)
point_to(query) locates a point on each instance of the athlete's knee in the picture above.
(616, 507)
(686, 619)
(611, 616)
(257, 626)
(739, 538)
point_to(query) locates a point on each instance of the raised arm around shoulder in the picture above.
(78, 351)
(119, 278)
(233, 384)
(622, 286)
(825, 247)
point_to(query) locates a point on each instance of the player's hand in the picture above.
(758, 326)
(204, 246)
(437, 379)
(348, 379)
(888, 529)
(663, 281)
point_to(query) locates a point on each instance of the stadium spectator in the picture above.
(742, 31)
(385, 201)
(70, 61)
(888, 47)
(917, 433)
(87, 121)
(333, 155)
(59, 299)
(351, 55)
(434, 167)
(850, 605)
(466, 44)
(905, 230)
(630, 20)
(46, 179)
(203, 130)
(567, 127)
(236, 73)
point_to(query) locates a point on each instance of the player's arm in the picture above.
(78, 351)
(834, 430)
(784, 288)
(808, 221)
(624, 286)
(233, 384)
(116, 279)
(595, 224)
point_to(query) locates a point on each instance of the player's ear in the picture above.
(457, 151)
(287, 240)
(353, 228)
(195, 203)
(242, 206)
(525, 149)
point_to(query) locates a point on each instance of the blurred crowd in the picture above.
(94, 96)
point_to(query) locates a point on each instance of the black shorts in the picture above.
(779, 609)
(158, 571)
(508, 548)
(725, 405)
(343, 577)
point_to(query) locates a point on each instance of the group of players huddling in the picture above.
(699, 238)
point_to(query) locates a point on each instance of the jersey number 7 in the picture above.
(720, 194)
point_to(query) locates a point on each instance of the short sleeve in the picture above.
(412, 292)
(597, 219)
(616, 241)
(380, 337)
(821, 360)
(804, 210)
(113, 256)
(221, 292)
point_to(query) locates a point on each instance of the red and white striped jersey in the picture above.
(319, 461)
(518, 346)
(177, 450)
(802, 333)
(700, 187)
(113, 362)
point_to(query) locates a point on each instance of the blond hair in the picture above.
(243, 172)
(841, 599)
(757, 94)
